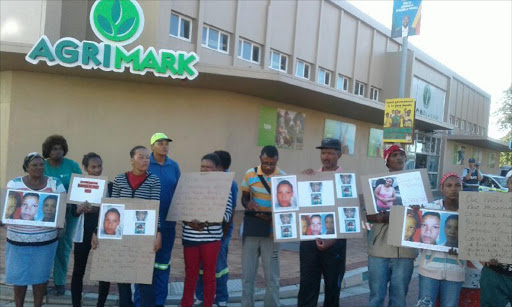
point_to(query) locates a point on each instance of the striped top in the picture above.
(33, 235)
(149, 189)
(210, 233)
(253, 185)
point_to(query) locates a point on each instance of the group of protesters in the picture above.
(154, 176)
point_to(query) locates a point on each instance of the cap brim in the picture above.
(161, 140)
(328, 147)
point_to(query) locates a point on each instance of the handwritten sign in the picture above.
(201, 196)
(87, 188)
(129, 259)
(485, 226)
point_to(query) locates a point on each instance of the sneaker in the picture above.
(198, 303)
(221, 304)
(59, 290)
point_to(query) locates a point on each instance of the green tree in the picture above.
(505, 123)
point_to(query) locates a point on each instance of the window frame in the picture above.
(374, 93)
(241, 42)
(281, 56)
(327, 75)
(305, 64)
(344, 83)
(180, 18)
(357, 87)
(219, 40)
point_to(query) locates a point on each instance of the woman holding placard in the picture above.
(442, 274)
(28, 245)
(93, 166)
(201, 245)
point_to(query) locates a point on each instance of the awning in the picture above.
(480, 141)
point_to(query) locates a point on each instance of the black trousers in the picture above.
(81, 255)
(315, 263)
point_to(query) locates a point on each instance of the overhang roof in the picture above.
(480, 141)
(263, 83)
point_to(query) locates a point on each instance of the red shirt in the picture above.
(135, 181)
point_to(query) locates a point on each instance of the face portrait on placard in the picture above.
(316, 186)
(285, 225)
(111, 221)
(141, 215)
(31, 208)
(316, 193)
(284, 193)
(386, 193)
(318, 225)
(345, 185)
(349, 220)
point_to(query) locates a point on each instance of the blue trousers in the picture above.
(395, 271)
(162, 268)
(222, 274)
(430, 288)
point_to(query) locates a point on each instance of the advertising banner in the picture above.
(399, 120)
(429, 99)
(282, 128)
(406, 18)
(344, 132)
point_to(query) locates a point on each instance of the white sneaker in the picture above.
(198, 303)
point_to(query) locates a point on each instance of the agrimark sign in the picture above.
(116, 23)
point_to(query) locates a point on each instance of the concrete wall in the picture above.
(450, 166)
(110, 117)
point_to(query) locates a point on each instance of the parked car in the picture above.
(493, 183)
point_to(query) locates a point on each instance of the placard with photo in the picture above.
(285, 196)
(285, 225)
(316, 193)
(111, 221)
(318, 225)
(349, 219)
(31, 208)
(346, 185)
(139, 222)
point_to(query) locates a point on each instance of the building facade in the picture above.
(322, 59)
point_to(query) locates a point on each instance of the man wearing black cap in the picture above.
(323, 256)
(471, 176)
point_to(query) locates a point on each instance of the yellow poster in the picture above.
(399, 120)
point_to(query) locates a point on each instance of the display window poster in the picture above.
(307, 207)
(399, 117)
(342, 131)
(375, 143)
(406, 188)
(280, 127)
(32, 208)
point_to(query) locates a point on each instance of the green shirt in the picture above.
(63, 171)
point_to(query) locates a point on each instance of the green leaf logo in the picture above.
(426, 96)
(117, 21)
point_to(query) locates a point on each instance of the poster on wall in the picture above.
(407, 188)
(323, 205)
(459, 154)
(375, 143)
(399, 120)
(282, 128)
(32, 208)
(342, 131)
(424, 228)
(430, 100)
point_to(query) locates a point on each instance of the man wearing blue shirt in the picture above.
(168, 172)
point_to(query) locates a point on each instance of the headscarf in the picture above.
(448, 175)
(31, 156)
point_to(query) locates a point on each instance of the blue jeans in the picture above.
(430, 288)
(222, 274)
(395, 271)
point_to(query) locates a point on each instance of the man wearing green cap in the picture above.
(168, 172)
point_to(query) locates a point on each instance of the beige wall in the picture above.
(449, 166)
(110, 117)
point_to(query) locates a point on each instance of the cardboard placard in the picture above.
(44, 209)
(410, 187)
(485, 226)
(201, 196)
(317, 207)
(126, 255)
(87, 188)
(426, 229)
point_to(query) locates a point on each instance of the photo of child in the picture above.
(346, 191)
(30, 208)
(350, 225)
(318, 225)
(316, 186)
(286, 231)
(345, 185)
(284, 193)
(349, 220)
(140, 228)
(315, 193)
(316, 198)
(285, 225)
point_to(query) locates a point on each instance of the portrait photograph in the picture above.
(430, 229)
(285, 225)
(111, 221)
(318, 225)
(345, 185)
(316, 193)
(349, 219)
(386, 193)
(134, 220)
(31, 208)
(284, 193)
